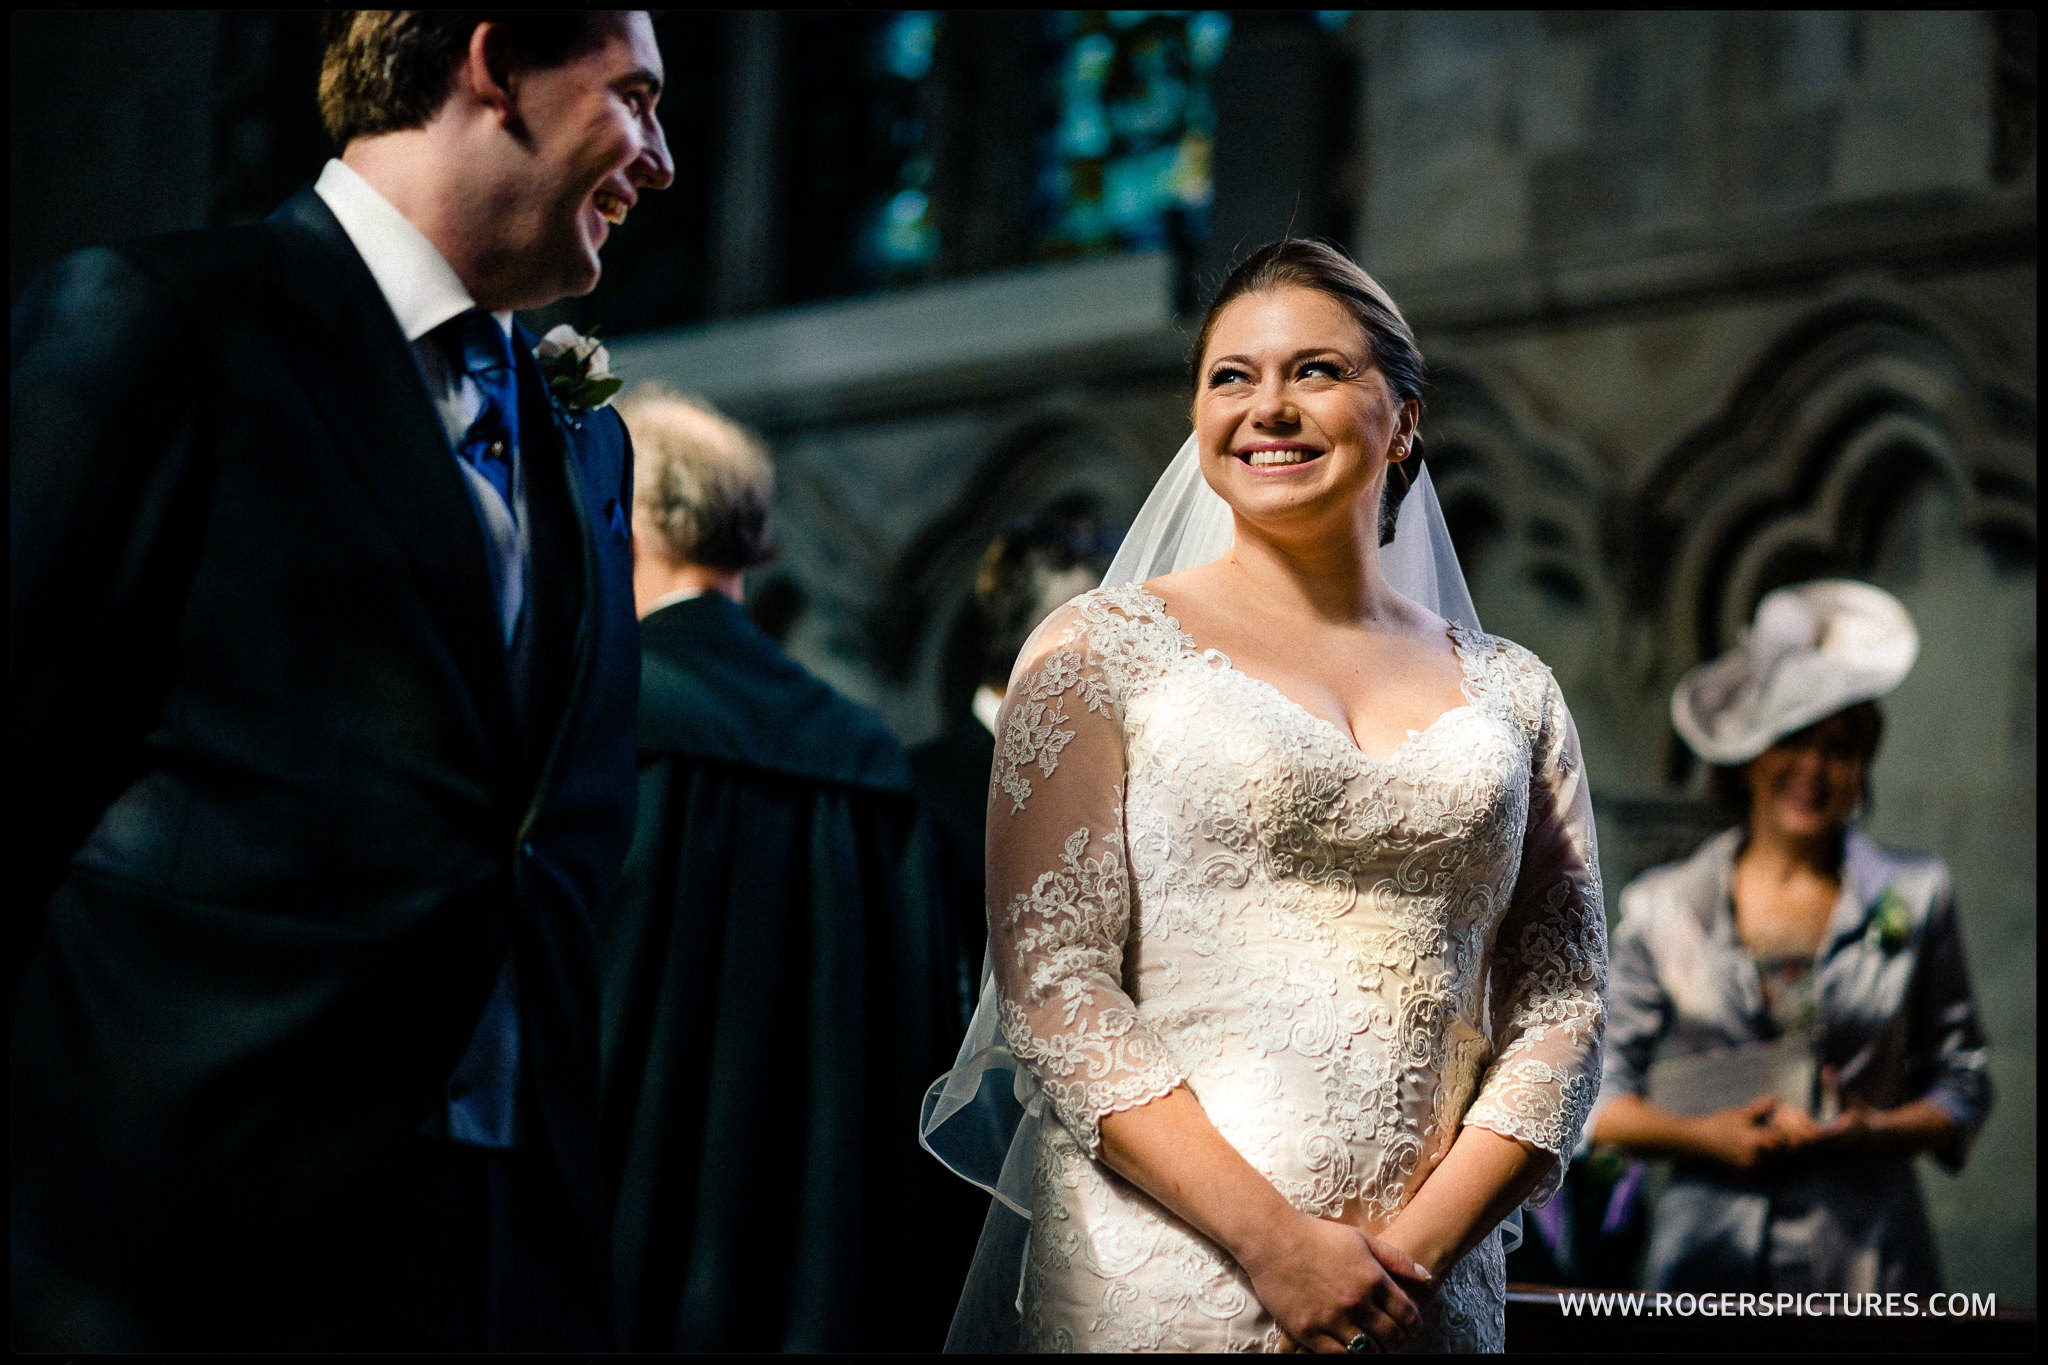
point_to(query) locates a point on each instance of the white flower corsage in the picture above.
(1891, 921)
(577, 368)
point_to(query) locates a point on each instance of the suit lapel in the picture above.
(354, 363)
(564, 569)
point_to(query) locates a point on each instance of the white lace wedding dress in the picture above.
(1192, 879)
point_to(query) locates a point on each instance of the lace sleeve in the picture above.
(1550, 962)
(1059, 885)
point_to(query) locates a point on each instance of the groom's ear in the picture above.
(490, 75)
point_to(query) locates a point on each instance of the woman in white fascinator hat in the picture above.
(1813, 650)
(1804, 989)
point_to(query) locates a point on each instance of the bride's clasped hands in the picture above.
(1326, 1282)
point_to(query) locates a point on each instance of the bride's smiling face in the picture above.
(1295, 423)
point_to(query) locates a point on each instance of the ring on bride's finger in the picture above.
(1359, 1344)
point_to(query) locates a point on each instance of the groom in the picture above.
(323, 673)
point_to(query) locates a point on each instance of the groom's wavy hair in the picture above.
(387, 70)
(1297, 262)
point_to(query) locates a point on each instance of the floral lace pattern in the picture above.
(1194, 880)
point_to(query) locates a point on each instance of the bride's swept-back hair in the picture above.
(1294, 262)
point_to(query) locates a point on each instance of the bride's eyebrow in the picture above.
(1303, 354)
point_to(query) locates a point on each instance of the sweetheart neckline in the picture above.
(1346, 741)
(1346, 738)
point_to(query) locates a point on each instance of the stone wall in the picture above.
(1502, 135)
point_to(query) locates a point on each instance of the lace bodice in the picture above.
(1194, 880)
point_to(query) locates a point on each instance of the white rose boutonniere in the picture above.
(578, 370)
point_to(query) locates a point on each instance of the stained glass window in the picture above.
(899, 239)
(1126, 164)
(853, 183)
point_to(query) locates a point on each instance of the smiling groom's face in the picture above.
(590, 143)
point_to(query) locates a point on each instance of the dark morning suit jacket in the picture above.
(280, 805)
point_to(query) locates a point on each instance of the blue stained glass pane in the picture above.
(898, 240)
(1086, 132)
(1127, 152)
(1054, 180)
(1154, 113)
(907, 46)
(1091, 61)
(1138, 189)
(1084, 222)
(1208, 35)
(906, 236)
(907, 208)
(1147, 234)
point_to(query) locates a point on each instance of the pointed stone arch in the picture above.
(1056, 461)
(1513, 485)
(1829, 433)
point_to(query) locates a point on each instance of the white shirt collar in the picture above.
(988, 704)
(422, 289)
(669, 599)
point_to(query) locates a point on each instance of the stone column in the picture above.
(746, 262)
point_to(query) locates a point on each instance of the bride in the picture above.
(1296, 934)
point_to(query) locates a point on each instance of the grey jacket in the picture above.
(1897, 1022)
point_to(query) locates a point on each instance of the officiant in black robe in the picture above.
(779, 984)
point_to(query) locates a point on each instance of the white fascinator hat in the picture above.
(1813, 649)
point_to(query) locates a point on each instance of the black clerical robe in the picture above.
(779, 990)
(951, 772)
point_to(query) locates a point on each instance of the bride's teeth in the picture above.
(1265, 457)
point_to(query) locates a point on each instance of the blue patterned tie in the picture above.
(484, 353)
(479, 349)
